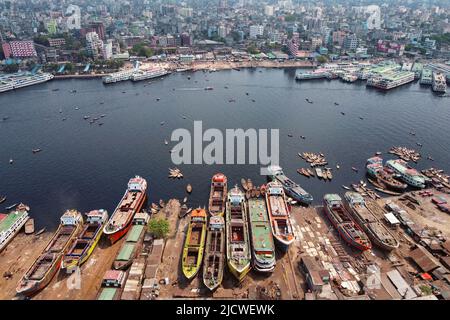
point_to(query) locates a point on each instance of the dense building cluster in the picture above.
(80, 30)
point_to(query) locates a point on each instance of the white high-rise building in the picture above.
(73, 14)
(222, 31)
(94, 45)
(268, 10)
(107, 50)
(256, 30)
(373, 17)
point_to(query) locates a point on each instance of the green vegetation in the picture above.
(142, 50)
(41, 39)
(426, 290)
(289, 18)
(252, 49)
(11, 68)
(322, 59)
(442, 38)
(159, 228)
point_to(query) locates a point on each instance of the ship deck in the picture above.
(129, 204)
(277, 206)
(9, 220)
(260, 226)
(365, 215)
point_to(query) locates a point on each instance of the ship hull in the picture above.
(216, 238)
(84, 257)
(116, 236)
(33, 286)
(342, 233)
(239, 274)
(281, 244)
(39, 285)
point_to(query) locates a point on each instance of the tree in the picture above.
(322, 59)
(159, 228)
(11, 68)
(41, 39)
(252, 49)
(140, 49)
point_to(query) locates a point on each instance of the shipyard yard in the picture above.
(339, 271)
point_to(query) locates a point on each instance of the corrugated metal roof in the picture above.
(135, 232)
(400, 284)
(423, 259)
(107, 294)
(125, 252)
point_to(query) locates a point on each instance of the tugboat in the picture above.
(369, 222)
(343, 223)
(218, 195)
(263, 248)
(238, 242)
(214, 261)
(279, 216)
(194, 244)
(292, 189)
(39, 275)
(131, 202)
(86, 242)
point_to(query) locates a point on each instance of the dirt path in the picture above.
(18, 256)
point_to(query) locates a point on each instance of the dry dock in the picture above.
(318, 265)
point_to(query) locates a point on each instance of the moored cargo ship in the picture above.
(194, 244)
(214, 261)
(218, 195)
(238, 242)
(384, 176)
(344, 224)
(377, 232)
(279, 216)
(263, 247)
(292, 189)
(131, 202)
(85, 243)
(47, 264)
(11, 223)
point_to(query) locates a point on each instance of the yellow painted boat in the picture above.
(194, 244)
(83, 246)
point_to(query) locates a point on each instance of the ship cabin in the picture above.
(114, 278)
(141, 218)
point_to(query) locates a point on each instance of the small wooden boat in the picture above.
(324, 174)
(166, 142)
(343, 113)
(161, 203)
(188, 188)
(311, 172)
(2, 199)
(319, 173)
(154, 206)
(11, 206)
(354, 169)
(345, 187)
(388, 191)
(40, 232)
(244, 184)
(329, 174)
(249, 184)
(36, 150)
(184, 210)
(337, 166)
(184, 199)
(336, 104)
(29, 226)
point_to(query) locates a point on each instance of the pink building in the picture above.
(19, 49)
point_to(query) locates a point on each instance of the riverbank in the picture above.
(202, 65)
(315, 238)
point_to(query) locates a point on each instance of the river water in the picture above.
(86, 166)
